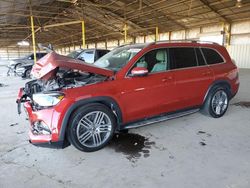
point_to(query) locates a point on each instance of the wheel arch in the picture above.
(107, 101)
(218, 83)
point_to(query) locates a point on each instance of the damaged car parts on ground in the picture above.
(131, 86)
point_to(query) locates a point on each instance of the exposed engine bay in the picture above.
(64, 79)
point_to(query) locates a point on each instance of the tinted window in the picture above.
(43, 54)
(40, 55)
(154, 61)
(87, 56)
(200, 58)
(31, 57)
(212, 56)
(182, 57)
(101, 53)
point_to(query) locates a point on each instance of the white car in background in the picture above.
(88, 55)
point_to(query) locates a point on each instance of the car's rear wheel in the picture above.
(91, 127)
(216, 103)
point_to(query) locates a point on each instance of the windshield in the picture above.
(119, 57)
(74, 54)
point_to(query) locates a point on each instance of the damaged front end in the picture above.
(47, 93)
(43, 97)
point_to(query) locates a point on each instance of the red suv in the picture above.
(131, 86)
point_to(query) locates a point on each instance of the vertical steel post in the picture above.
(33, 37)
(83, 35)
(125, 33)
(156, 33)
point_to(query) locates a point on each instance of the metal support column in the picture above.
(125, 33)
(33, 37)
(83, 35)
(156, 33)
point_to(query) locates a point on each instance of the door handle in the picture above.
(206, 73)
(167, 79)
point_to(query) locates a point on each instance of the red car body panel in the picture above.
(137, 97)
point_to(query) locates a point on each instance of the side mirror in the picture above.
(139, 71)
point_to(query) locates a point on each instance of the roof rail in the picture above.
(190, 41)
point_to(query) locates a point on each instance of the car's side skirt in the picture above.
(160, 118)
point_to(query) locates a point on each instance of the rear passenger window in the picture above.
(182, 57)
(200, 58)
(212, 56)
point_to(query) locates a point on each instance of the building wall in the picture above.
(240, 54)
(239, 47)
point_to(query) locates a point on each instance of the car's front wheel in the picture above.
(27, 73)
(217, 102)
(91, 127)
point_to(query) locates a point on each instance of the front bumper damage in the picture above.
(43, 123)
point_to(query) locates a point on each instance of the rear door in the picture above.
(192, 75)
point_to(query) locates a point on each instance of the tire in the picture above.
(27, 73)
(91, 127)
(15, 67)
(216, 103)
(18, 64)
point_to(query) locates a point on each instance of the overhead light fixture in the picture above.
(238, 3)
(23, 43)
(68, 1)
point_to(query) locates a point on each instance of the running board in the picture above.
(160, 119)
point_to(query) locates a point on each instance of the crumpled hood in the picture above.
(47, 66)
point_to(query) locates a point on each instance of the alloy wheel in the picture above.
(94, 129)
(219, 102)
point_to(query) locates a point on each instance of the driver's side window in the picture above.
(154, 61)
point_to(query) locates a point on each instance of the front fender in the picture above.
(104, 100)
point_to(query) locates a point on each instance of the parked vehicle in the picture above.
(27, 60)
(132, 86)
(24, 70)
(88, 55)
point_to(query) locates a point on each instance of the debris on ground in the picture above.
(244, 104)
(13, 124)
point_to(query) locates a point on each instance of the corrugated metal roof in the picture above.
(105, 19)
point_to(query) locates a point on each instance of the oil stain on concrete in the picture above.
(133, 146)
(202, 134)
(244, 104)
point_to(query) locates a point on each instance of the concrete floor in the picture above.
(192, 151)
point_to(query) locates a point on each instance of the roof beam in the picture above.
(206, 3)
(116, 16)
(166, 15)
